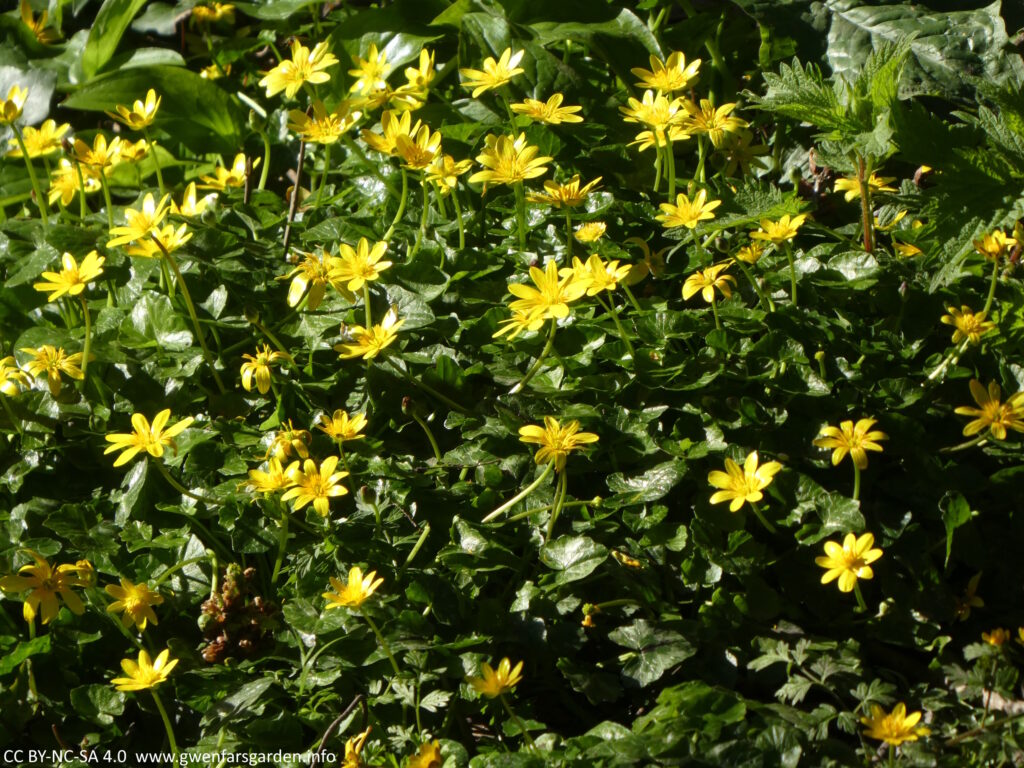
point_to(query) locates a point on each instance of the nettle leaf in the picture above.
(573, 557)
(655, 650)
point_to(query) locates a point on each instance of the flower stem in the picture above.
(561, 489)
(863, 175)
(282, 544)
(82, 208)
(401, 205)
(992, 287)
(540, 360)
(383, 643)
(106, 199)
(764, 520)
(614, 312)
(178, 566)
(426, 387)
(88, 337)
(714, 310)
(700, 158)
(15, 421)
(657, 167)
(366, 306)
(671, 170)
(156, 162)
(167, 722)
(517, 721)
(863, 607)
(632, 298)
(568, 233)
(176, 485)
(521, 214)
(323, 175)
(856, 481)
(792, 271)
(596, 501)
(521, 495)
(191, 312)
(950, 359)
(763, 300)
(422, 233)
(430, 435)
(40, 200)
(458, 219)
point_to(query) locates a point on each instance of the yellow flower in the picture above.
(142, 222)
(369, 342)
(992, 414)
(969, 325)
(906, 249)
(429, 756)
(495, 683)
(551, 297)
(167, 236)
(214, 71)
(10, 108)
(259, 366)
(969, 599)
(370, 73)
(141, 114)
(508, 160)
(742, 485)
(132, 152)
(851, 186)
(849, 562)
(47, 583)
(445, 171)
(894, 728)
(356, 592)
(420, 77)
(740, 153)
(341, 427)
(305, 66)
(779, 231)
(569, 195)
(146, 673)
(595, 274)
(352, 749)
(392, 126)
(994, 244)
(705, 281)
(275, 479)
(494, 74)
(316, 485)
(520, 321)
(135, 601)
(323, 127)
(191, 207)
(214, 12)
(12, 378)
(750, 253)
(101, 156)
(590, 232)
(41, 141)
(288, 441)
(550, 112)
(855, 439)
(656, 111)
(420, 150)
(626, 560)
(64, 182)
(685, 213)
(53, 361)
(555, 441)
(313, 272)
(716, 122)
(996, 637)
(149, 438)
(37, 26)
(228, 177)
(72, 279)
(668, 76)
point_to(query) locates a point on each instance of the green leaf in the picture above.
(573, 557)
(153, 322)
(12, 660)
(656, 650)
(652, 485)
(110, 24)
(97, 703)
(955, 512)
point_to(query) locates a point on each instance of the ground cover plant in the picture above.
(480, 383)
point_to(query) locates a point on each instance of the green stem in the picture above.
(416, 547)
(177, 567)
(614, 312)
(167, 722)
(366, 305)
(631, 297)
(401, 205)
(156, 162)
(700, 158)
(856, 481)
(383, 643)
(265, 173)
(82, 208)
(657, 166)
(540, 360)
(88, 337)
(671, 170)
(860, 597)
(192, 313)
(106, 199)
(176, 485)
(521, 214)
(561, 489)
(892, 756)
(863, 175)
(430, 435)
(282, 544)
(323, 174)
(537, 510)
(41, 202)
(568, 233)
(517, 721)
(992, 287)
(714, 310)
(979, 440)
(950, 359)
(792, 271)
(427, 388)
(458, 218)
(422, 233)
(15, 421)
(764, 520)
(521, 495)
(761, 298)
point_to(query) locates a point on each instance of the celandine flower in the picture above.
(191, 207)
(64, 182)
(494, 74)
(258, 367)
(228, 177)
(444, 172)
(47, 584)
(895, 727)
(550, 112)
(420, 150)
(429, 756)
(849, 561)
(324, 127)
(994, 244)
(716, 122)
(996, 637)
(855, 439)
(290, 441)
(568, 195)
(341, 427)
(705, 281)
(72, 279)
(779, 231)
(356, 592)
(369, 342)
(590, 232)
(146, 437)
(53, 362)
(967, 324)
(392, 127)
(146, 673)
(508, 160)
(141, 114)
(993, 414)
(305, 66)
(686, 213)
(12, 378)
(101, 156)
(314, 273)
(11, 107)
(851, 186)
(739, 486)
(134, 602)
(551, 296)
(41, 141)
(353, 748)
(673, 74)
(140, 222)
(316, 486)
(275, 479)
(496, 682)
(555, 441)
(595, 274)
(370, 73)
